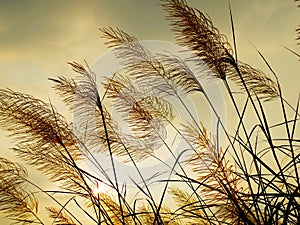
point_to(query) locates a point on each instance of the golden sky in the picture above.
(38, 38)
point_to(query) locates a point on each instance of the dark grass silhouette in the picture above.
(252, 179)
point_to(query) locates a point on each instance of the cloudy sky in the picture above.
(38, 38)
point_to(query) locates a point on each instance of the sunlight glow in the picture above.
(97, 189)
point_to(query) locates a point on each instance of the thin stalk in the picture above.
(99, 104)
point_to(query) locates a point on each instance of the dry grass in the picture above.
(252, 179)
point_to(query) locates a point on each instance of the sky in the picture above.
(38, 38)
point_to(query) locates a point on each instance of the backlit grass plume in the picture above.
(195, 30)
(18, 204)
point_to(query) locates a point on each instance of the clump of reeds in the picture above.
(253, 178)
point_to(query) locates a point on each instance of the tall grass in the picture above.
(252, 177)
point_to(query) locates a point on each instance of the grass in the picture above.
(252, 177)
